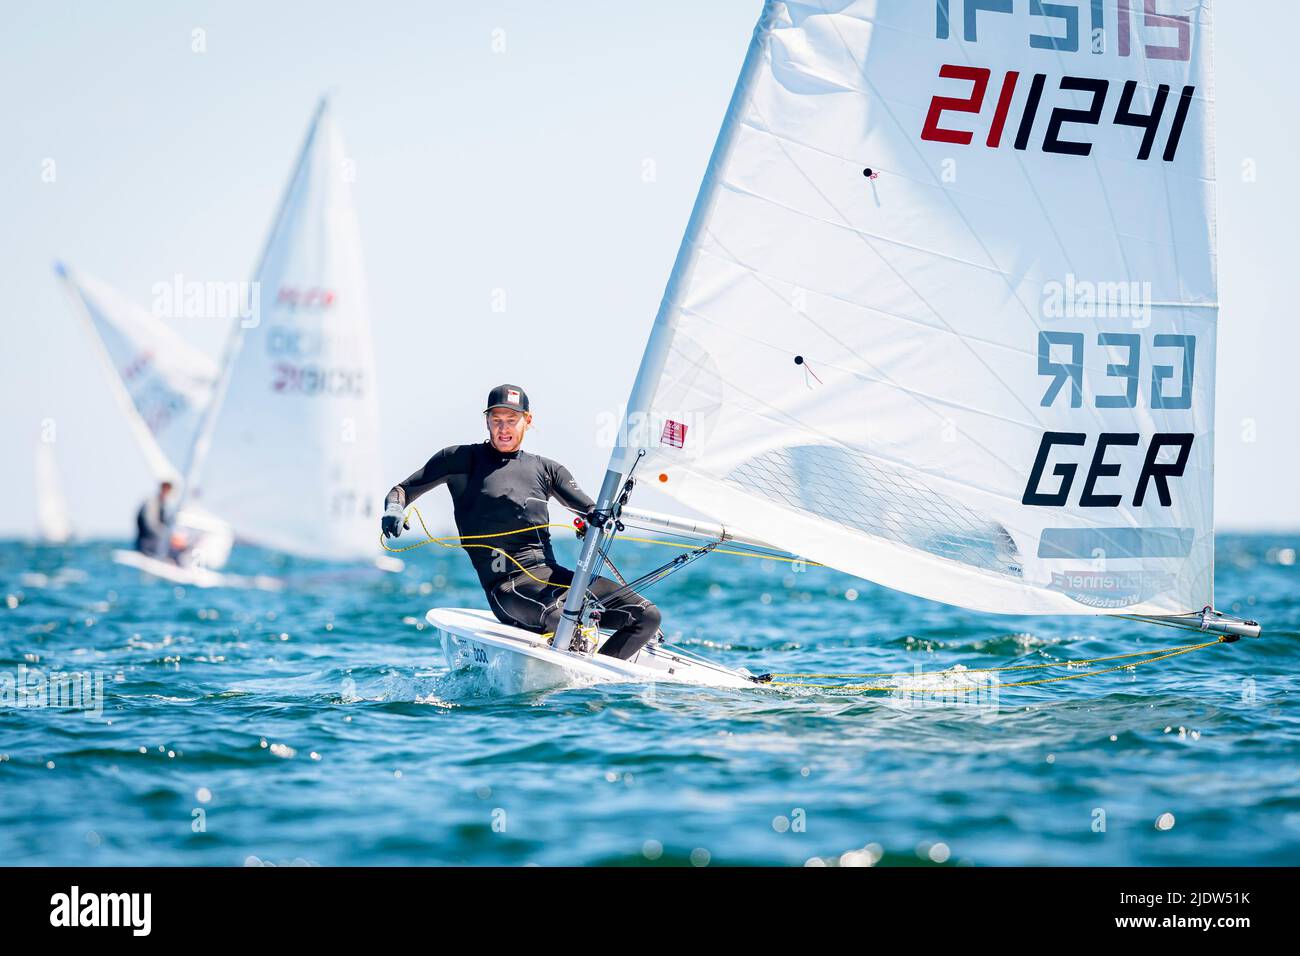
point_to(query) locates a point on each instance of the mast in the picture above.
(235, 340)
(656, 351)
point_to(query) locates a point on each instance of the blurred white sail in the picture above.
(944, 316)
(52, 521)
(289, 454)
(161, 382)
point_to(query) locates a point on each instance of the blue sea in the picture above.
(319, 726)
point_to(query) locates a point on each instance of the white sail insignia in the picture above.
(292, 456)
(162, 383)
(944, 316)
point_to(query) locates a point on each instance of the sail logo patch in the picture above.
(312, 299)
(1110, 590)
(674, 434)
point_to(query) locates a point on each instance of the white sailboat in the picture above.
(162, 385)
(943, 318)
(52, 522)
(288, 448)
(281, 438)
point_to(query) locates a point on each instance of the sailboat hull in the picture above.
(210, 539)
(193, 576)
(516, 661)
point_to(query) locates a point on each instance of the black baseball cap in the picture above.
(507, 396)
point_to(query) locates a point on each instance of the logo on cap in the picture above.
(512, 395)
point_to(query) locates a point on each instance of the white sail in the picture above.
(293, 458)
(944, 316)
(161, 382)
(51, 505)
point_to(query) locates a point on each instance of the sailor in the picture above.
(498, 489)
(152, 534)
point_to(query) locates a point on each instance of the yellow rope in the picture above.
(1025, 667)
(461, 538)
(1162, 654)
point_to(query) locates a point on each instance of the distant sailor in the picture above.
(152, 534)
(495, 487)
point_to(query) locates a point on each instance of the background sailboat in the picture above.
(288, 448)
(162, 385)
(52, 523)
(281, 438)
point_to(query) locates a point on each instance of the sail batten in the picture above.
(944, 315)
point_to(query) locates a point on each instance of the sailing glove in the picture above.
(392, 522)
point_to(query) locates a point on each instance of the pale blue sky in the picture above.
(522, 170)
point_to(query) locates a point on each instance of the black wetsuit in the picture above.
(151, 535)
(494, 492)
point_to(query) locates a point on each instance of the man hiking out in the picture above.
(496, 487)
